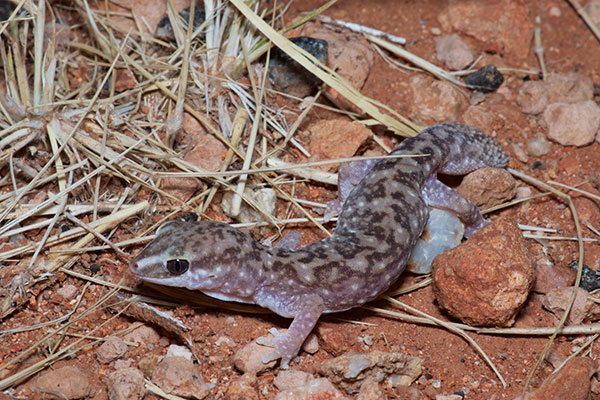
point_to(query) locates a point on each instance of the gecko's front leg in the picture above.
(305, 309)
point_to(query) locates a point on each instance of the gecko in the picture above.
(379, 224)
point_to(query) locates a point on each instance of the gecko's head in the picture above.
(193, 255)
(166, 260)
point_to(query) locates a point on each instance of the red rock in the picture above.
(334, 341)
(486, 280)
(556, 357)
(570, 165)
(587, 209)
(370, 390)
(488, 187)
(125, 80)
(502, 26)
(453, 52)
(535, 96)
(435, 101)
(319, 388)
(582, 310)
(114, 347)
(127, 383)
(572, 382)
(242, 388)
(573, 124)
(148, 11)
(550, 277)
(249, 357)
(207, 153)
(519, 152)
(595, 387)
(569, 88)
(182, 188)
(290, 379)
(338, 138)
(311, 344)
(65, 293)
(68, 382)
(201, 148)
(191, 125)
(479, 117)
(143, 335)
(411, 393)
(181, 377)
(592, 257)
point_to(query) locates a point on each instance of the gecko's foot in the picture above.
(281, 350)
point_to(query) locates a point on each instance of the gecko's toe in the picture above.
(280, 350)
(265, 341)
(275, 332)
(270, 341)
(284, 364)
(272, 356)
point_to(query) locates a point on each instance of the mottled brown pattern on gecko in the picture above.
(377, 229)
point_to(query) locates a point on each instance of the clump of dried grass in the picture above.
(82, 153)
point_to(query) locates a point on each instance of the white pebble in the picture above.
(538, 146)
(445, 232)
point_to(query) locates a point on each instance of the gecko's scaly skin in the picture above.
(377, 229)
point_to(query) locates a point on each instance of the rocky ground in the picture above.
(514, 274)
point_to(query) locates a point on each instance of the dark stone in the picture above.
(189, 217)
(590, 279)
(5, 10)
(164, 28)
(486, 79)
(95, 268)
(290, 77)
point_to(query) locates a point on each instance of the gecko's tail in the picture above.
(470, 148)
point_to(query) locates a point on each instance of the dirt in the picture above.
(570, 47)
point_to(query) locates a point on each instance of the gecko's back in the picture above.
(382, 219)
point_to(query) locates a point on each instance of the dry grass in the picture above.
(80, 150)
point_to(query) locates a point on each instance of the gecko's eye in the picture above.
(177, 266)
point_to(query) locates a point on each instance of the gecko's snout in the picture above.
(134, 266)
